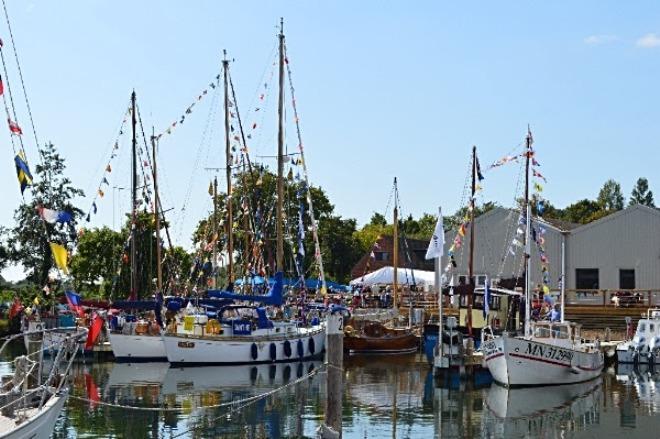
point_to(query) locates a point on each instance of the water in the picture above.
(383, 397)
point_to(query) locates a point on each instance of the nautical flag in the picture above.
(74, 301)
(94, 331)
(94, 208)
(14, 128)
(60, 256)
(22, 171)
(54, 216)
(108, 168)
(538, 174)
(437, 243)
(486, 298)
(2, 86)
(479, 174)
(16, 308)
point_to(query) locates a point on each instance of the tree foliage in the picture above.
(641, 193)
(610, 197)
(29, 239)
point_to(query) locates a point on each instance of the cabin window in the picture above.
(651, 327)
(586, 278)
(382, 256)
(481, 280)
(560, 331)
(542, 332)
(462, 280)
(478, 302)
(641, 327)
(627, 279)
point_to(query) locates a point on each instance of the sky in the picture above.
(383, 89)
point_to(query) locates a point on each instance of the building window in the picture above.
(382, 256)
(586, 278)
(627, 279)
(481, 280)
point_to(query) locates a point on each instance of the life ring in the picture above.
(300, 348)
(311, 346)
(254, 351)
(287, 348)
(39, 327)
(273, 351)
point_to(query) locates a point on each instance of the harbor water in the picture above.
(384, 397)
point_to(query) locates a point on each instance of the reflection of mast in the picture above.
(280, 158)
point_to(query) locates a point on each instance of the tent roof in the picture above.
(405, 276)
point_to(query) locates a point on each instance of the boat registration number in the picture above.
(548, 352)
(186, 344)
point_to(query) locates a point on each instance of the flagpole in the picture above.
(438, 287)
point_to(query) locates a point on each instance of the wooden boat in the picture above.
(376, 338)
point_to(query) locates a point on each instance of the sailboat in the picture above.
(372, 337)
(245, 333)
(547, 352)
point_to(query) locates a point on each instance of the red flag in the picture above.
(92, 390)
(2, 86)
(94, 331)
(16, 308)
(14, 128)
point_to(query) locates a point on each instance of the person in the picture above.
(555, 314)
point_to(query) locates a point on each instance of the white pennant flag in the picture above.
(437, 243)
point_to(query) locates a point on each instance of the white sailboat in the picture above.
(548, 352)
(644, 348)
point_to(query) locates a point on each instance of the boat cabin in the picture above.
(648, 329)
(565, 334)
(500, 302)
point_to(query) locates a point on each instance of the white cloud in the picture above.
(600, 39)
(649, 41)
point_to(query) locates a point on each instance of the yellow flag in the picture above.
(60, 257)
(36, 301)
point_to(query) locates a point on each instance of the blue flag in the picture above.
(22, 171)
(486, 298)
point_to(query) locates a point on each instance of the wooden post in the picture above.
(334, 345)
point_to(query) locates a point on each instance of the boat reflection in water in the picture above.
(541, 411)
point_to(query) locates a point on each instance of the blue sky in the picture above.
(383, 88)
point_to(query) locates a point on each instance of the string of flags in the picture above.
(181, 119)
(105, 183)
(539, 235)
(22, 171)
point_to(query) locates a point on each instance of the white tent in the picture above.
(385, 276)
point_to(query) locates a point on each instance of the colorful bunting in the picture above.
(14, 128)
(22, 171)
(60, 256)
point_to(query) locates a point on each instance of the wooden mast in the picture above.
(471, 259)
(134, 280)
(215, 230)
(395, 249)
(230, 216)
(159, 267)
(280, 157)
(528, 153)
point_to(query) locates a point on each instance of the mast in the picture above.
(134, 280)
(159, 267)
(395, 250)
(471, 259)
(528, 151)
(280, 157)
(230, 216)
(215, 230)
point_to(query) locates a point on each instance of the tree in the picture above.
(582, 212)
(610, 197)
(641, 194)
(4, 251)
(95, 264)
(29, 239)
(454, 221)
(339, 247)
(378, 219)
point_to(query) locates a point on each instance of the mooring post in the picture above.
(334, 352)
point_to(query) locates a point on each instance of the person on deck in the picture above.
(555, 314)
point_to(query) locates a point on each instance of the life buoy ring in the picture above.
(273, 351)
(300, 348)
(39, 327)
(311, 346)
(254, 351)
(287, 348)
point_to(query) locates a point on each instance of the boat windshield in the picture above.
(641, 327)
(542, 331)
(560, 331)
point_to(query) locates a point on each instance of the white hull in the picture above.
(40, 423)
(195, 350)
(138, 374)
(516, 361)
(129, 348)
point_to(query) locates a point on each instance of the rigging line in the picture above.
(12, 106)
(20, 73)
(264, 83)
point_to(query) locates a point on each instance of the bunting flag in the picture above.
(538, 187)
(54, 216)
(16, 308)
(535, 173)
(22, 171)
(479, 174)
(60, 256)
(94, 331)
(14, 128)
(2, 87)
(74, 302)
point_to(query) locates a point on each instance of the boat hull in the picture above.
(630, 356)
(52, 339)
(137, 348)
(188, 350)
(41, 424)
(388, 344)
(516, 361)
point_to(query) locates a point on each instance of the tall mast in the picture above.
(230, 216)
(134, 280)
(280, 157)
(471, 259)
(395, 250)
(528, 153)
(215, 230)
(159, 267)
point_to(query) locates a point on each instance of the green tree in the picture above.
(96, 261)
(339, 247)
(29, 239)
(4, 250)
(582, 212)
(454, 221)
(641, 194)
(610, 197)
(378, 219)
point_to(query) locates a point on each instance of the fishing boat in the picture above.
(547, 352)
(375, 337)
(645, 345)
(31, 404)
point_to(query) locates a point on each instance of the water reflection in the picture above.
(384, 397)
